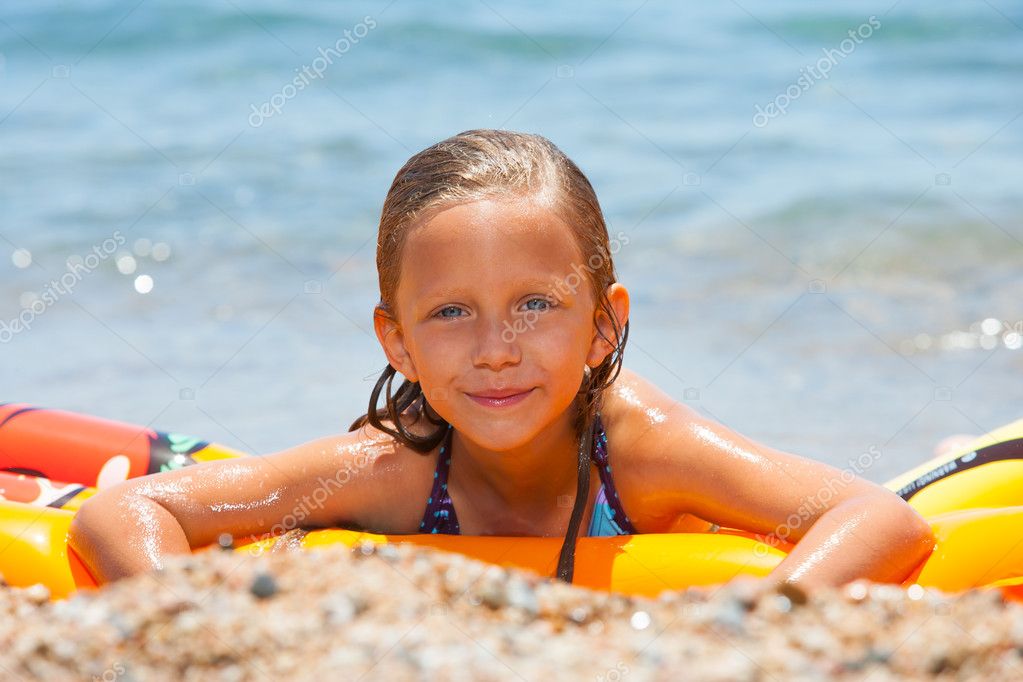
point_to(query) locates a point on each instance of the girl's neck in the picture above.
(531, 477)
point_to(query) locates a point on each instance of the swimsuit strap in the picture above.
(439, 516)
(600, 458)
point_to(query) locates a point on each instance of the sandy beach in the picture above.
(404, 613)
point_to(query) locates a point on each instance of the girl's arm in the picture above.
(129, 528)
(846, 527)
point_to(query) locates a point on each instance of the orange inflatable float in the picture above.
(973, 499)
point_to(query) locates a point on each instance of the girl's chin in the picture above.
(498, 435)
(508, 434)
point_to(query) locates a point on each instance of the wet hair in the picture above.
(486, 164)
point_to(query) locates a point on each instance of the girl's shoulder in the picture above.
(635, 408)
(647, 431)
(402, 476)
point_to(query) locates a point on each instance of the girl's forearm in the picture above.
(871, 536)
(122, 533)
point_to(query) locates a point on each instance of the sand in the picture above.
(406, 613)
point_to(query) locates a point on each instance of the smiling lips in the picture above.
(503, 398)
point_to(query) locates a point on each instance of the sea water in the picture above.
(818, 207)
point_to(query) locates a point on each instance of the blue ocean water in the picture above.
(822, 202)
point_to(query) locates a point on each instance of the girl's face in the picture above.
(494, 298)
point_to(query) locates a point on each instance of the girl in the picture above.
(500, 307)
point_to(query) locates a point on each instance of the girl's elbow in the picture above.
(96, 519)
(84, 519)
(914, 530)
(922, 530)
(85, 531)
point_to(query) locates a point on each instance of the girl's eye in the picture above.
(547, 305)
(441, 312)
(544, 305)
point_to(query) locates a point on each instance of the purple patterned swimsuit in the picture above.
(608, 516)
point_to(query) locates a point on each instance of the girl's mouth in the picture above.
(499, 400)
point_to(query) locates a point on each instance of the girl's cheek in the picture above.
(560, 354)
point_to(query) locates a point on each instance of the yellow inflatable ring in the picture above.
(973, 499)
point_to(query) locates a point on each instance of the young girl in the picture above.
(500, 307)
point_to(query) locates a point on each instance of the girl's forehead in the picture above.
(488, 242)
(509, 217)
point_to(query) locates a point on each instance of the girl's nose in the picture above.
(496, 342)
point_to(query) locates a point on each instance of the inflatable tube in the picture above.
(90, 451)
(33, 549)
(986, 473)
(42, 492)
(84, 452)
(970, 552)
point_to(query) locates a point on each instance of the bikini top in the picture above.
(608, 516)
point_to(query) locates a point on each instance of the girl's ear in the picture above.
(618, 297)
(393, 342)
